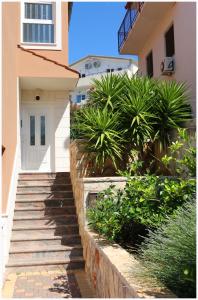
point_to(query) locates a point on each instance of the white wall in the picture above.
(85, 83)
(57, 103)
(105, 63)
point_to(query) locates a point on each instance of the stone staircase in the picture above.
(45, 228)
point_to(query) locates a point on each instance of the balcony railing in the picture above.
(127, 24)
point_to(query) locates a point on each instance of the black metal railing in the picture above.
(127, 24)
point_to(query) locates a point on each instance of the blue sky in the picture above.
(93, 29)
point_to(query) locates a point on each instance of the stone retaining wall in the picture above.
(109, 267)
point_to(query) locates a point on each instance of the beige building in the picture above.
(163, 35)
(36, 85)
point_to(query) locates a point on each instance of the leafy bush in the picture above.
(169, 253)
(181, 160)
(145, 202)
(101, 129)
(140, 111)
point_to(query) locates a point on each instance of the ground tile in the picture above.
(47, 283)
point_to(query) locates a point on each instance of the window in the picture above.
(41, 24)
(42, 130)
(80, 97)
(149, 64)
(32, 130)
(119, 69)
(38, 23)
(82, 75)
(108, 70)
(169, 42)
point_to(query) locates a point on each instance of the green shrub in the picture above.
(145, 201)
(149, 110)
(169, 253)
(181, 160)
(101, 130)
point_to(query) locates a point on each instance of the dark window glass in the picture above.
(108, 70)
(170, 43)
(32, 130)
(83, 97)
(38, 33)
(78, 98)
(43, 130)
(112, 70)
(38, 11)
(119, 69)
(149, 64)
(83, 75)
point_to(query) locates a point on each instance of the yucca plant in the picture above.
(171, 108)
(145, 112)
(107, 91)
(103, 136)
(136, 106)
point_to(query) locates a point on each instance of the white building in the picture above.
(93, 67)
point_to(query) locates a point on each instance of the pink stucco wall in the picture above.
(18, 63)
(183, 16)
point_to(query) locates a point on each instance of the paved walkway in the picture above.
(47, 283)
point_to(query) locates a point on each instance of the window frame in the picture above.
(149, 53)
(56, 20)
(165, 44)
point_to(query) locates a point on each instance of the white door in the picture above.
(35, 139)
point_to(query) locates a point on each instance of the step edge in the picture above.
(47, 262)
(32, 193)
(67, 248)
(41, 200)
(55, 184)
(43, 209)
(45, 238)
(45, 227)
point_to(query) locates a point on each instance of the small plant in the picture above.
(169, 253)
(181, 160)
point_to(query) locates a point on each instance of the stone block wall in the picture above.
(109, 267)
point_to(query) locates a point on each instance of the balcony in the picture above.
(127, 24)
(139, 23)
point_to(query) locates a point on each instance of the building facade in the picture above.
(163, 35)
(94, 67)
(36, 85)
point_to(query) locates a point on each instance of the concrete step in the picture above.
(44, 195)
(43, 203)
(43, 212)
(23, 236)
(37, 235)
(44, 221)
(30, 247)
(45, 241)
(65, 253)
(44, 176)
(44, 188)
(48, 229)
(71, 263)
(40, 182)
